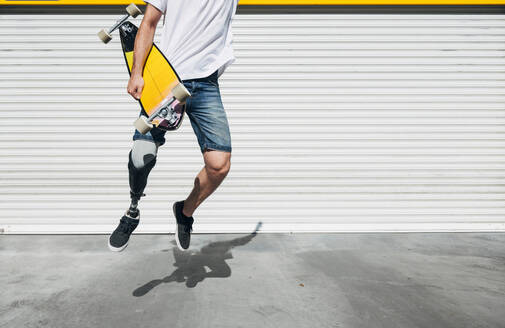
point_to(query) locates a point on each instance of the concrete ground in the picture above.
(265, 280)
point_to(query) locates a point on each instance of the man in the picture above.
(196, 40)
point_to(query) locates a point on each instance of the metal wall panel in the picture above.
(339, 123)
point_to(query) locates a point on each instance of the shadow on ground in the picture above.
(191, 265)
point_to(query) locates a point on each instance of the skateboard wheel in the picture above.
(142, 125)
(104, 36)
(180, 92)
(133, 10)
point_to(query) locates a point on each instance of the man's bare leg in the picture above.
(217, 166)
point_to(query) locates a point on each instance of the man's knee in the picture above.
(217, 163)
(141, 160)
(143, 154)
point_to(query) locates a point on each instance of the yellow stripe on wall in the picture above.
(270, 2)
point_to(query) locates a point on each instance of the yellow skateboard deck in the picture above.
(160, 79)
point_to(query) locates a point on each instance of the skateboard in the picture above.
(164, 95)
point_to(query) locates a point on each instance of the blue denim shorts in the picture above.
(206, 113)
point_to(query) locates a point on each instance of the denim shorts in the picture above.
(206, 113)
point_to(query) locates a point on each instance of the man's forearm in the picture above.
(143, 44)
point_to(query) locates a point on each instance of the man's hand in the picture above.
(135, 86)
(143, 44)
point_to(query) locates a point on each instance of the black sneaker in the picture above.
(118, 240)
(184, 226)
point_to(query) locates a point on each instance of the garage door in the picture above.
(339, 123)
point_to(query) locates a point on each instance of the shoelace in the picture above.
(124, 226)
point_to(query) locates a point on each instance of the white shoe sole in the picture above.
(117, 249)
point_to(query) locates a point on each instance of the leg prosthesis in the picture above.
(142, 159)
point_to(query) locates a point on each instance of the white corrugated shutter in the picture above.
(339, 123)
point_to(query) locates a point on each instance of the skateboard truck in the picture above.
(165, 110)
(106, 34)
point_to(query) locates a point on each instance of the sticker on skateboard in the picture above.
(163, 97)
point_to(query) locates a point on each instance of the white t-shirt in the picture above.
(197, 37)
